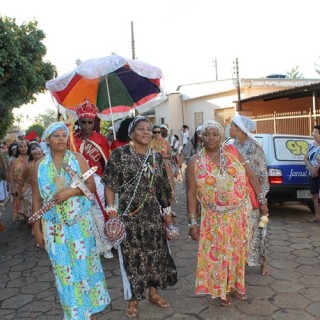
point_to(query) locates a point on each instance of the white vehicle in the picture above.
(288, 176)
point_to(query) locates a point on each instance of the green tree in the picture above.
(23, 73)
(104, 125)
(46, 118)
(6, 121)
(294, 73)
(38, 128)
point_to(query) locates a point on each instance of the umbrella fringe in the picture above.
(116, 116)
(142, 108)
(152, 103)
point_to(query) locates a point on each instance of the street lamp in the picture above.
(236, 82)
(215, 65)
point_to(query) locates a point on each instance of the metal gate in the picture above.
(299, 123)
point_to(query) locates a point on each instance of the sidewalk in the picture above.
(292, 291)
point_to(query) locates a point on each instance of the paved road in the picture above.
(292, 291)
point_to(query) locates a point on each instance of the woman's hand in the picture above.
(36, 231)
(62, 196)
(314, 171)
(264, 210)
(169, 219)
(194, 232)
(113, 215)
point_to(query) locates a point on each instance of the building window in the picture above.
(161, 121)
(198, 119)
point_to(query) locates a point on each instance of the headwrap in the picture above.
(22, 141)
(199, 128)
(86, 110)
(212, 124)
(245, 124)
(35, 150)
(54, 126)
(163, 126)
(135, 122)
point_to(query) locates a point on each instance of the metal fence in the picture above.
(300, 122)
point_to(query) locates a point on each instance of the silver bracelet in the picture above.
(193, 223)
(110, 209)
(166, 211)
(262, 198)
(192, 216)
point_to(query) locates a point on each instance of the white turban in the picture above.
(212, 124)
(245, 124)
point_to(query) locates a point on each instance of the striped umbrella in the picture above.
(116, 85)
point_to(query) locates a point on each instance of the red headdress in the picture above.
(86, 110)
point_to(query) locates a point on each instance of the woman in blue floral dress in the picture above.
(66, 229)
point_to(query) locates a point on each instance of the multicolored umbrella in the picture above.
(116, 85)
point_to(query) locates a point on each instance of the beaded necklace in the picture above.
(221, 180)
(149, 171)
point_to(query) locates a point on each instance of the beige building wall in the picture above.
(217, 100)
(170, 113)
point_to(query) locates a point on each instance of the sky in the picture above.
(181, 37)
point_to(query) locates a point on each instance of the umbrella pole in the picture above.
(114, 132)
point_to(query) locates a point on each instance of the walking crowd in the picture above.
(85, 195)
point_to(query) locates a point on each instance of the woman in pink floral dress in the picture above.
(163, 146)
(217, 178)
(15, 175)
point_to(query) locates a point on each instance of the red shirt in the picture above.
(95, 149)
(117, 143)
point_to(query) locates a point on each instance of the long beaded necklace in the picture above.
(149, 171)
(221, 181)
(61, 210)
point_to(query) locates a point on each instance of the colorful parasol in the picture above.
(116, 85)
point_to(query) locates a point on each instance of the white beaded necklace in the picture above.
(221, 181)
(145, 168)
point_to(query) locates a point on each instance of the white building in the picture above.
(192, 104)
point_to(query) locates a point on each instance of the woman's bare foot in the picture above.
(156, 299)
(132, 310)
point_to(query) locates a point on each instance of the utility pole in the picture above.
(236, 73)
(132, 42)
(215, 65)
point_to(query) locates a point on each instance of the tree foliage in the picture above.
(6, 121)
(294, 73)
(38, 128)
(104, 125)
(23, 73)
(46, 118)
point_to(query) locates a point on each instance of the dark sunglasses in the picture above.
(156, 132)
(87, 121)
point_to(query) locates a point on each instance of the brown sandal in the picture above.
(226, 302)
(132, 310)
(160, 302)
(240, 296)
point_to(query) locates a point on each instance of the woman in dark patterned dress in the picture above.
(137, 174)
(241, 128)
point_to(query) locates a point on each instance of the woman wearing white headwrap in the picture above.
(137, 173)
(216, 177)
(241, 131)
(66, 230)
